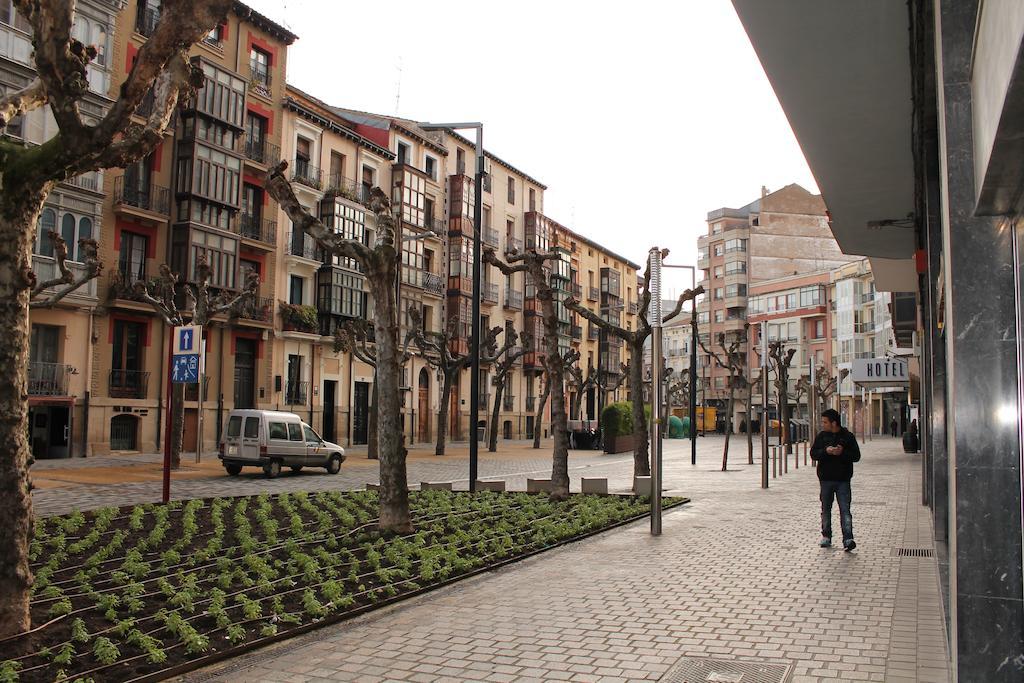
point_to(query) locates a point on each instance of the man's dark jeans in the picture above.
(841, 491)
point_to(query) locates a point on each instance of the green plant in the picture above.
(299, 317)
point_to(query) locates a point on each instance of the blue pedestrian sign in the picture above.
(185, 369)
(187, 339)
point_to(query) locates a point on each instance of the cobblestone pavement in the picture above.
(736, 575)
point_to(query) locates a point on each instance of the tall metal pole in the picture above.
(654, 260)
(764, 405)
(693, 383)
(474, 342)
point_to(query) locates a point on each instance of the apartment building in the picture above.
(779, 235)
(198, 194)
(60, 365)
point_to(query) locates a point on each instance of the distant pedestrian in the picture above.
(893, 426)
(834, 452)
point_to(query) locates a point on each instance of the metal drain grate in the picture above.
(706, 670)
(913, 552)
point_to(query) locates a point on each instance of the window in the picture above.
(131, 260)
(259, 66)
(252, 427)
(819, 329)
(215, 175)
(718, 271)
(220, 252)
(294, 432)
(255, 133)
(368, 182)
(337, 169)
(719, 293)
(222, 96)
(47, 224)
(719, 315)
(718, 249)
(278, 430)
(235, 426)
(408, 192)
(511, 190)
(311, 436)
(735, 267)
(460, 162)
(126, 351)
(215, 35)
(735, 245)
(734, 290)
(430, 167)
(295, 285)
(404, 153)
(533, 199)
(252, 208)
(302, 154)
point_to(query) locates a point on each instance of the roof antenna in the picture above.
(398, 88)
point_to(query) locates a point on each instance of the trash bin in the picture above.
(910, 444)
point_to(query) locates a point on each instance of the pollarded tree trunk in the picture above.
(18, 214)
(641, 446)
(539, 419)
(750, 420)
(492, 437)
(372, 444)
(394, 490)
(177, 424)
(728, 425)
(442, 413)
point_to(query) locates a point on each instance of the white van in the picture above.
(272, 440)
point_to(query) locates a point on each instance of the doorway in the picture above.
(360, 413)
(330, 412)
(50, 430)
(124, 433)
(423, 406)
(245, 373)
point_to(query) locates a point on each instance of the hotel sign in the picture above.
(880, 371)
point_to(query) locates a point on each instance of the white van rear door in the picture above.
(251, 438)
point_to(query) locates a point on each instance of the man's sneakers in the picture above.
(849, 545)
(825, 542)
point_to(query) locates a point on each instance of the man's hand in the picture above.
(834, 450)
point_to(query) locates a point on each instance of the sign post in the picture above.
(764, 405)
(182, 368)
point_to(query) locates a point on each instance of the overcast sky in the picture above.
(640, 117)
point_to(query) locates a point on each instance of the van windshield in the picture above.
(234, 426)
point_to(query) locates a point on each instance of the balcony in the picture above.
(151, 197)
(306, 174)
(45, 268)
(593, 332)
(531, 403)
(260, 309)
(299, 318)
(633, 308)
(295, 393)
(490, 292)
(263, 152)
(122, 284)
(433, 284)
(302, 245)
(513, 245)
(508, 402)
(87, 181)
(261, 230)
(259, 79)
(513, 299)
(490, 237)
(340, 186)
(577, 332)
(48, 379)
(128, 383)
(703, 262)
(593, 294)
(146, 21)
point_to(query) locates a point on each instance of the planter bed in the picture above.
(153, 590)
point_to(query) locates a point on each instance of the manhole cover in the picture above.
(706, 670)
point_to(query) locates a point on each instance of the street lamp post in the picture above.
(654, 262)
(474, 337)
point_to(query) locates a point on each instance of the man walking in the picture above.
(834, 452)
(893, 426)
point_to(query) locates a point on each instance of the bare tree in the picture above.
(380, 266)
(506, 359)
(201, 307)
(436, 348)
(827, 383)
(533, 263)
(29, 173)
(580, 383)
(634, 340)
(749, 384)
(356, 337)
(568, 358)
(733, 361)
(781, 360)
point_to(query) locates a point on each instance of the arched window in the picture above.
(84, 233)
(67, 231)
(47, 222)
(99, 39)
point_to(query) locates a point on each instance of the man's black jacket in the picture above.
(835, 467)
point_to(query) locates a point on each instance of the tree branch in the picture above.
(688, 295)
(22, 101)
(93, 267)
(620, 332)
(164, 306)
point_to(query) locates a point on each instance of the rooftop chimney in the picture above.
(764, 192)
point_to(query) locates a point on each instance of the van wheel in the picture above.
(334, 464)
(272, 469)
(296, 468)
(233, 470)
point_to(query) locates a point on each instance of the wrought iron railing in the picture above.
(513, 245)
(593, 293)
(256, 228)
(48, 379)
(128, 383)
(490, 237)
(433, 283)
(257, 308)
(508, 402)
(295, 393)
(513, 299)
(150, 197)
(262, 151)
(490, 292)
(307, 174)
(259, 78)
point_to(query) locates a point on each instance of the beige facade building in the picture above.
(99, 361)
